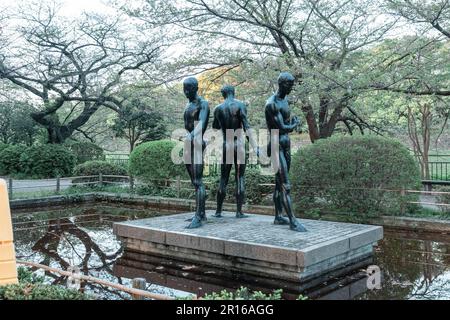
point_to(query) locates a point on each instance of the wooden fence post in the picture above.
(139, 283)
(58, 184)
(10, 188)
(100, 179)
(131, 183)
(402, 206)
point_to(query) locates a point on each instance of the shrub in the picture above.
(10, 159)
(256, 186)
(444, 198)
(85, 151)
(151, 162)
(3, 146)
(244, 293)
(39, 291)
(255, 193)
(94, 168)
(47, 161)
(349, 173)
(31, 287)
(165, 191)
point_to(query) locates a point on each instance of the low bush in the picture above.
(3, 146)
(244, 293)
(94, 168)
(85, 151)
(31, 287)
(47, 161)
(257, 188)
(353, 174)
(165, 191)
(10, 159)
(444, 199)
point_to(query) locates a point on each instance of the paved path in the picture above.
(39, 185)
(427, 201)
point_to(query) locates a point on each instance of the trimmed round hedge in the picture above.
(85, 151)
(352, 174)
(152, 163)
(47, 161)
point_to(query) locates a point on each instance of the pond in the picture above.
(413, 265)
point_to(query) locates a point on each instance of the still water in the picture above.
(413, 265)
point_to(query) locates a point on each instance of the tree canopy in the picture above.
(351, 59)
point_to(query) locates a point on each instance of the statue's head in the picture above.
(227, 90)
(190, 88)
(286, 82)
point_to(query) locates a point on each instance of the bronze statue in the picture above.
(231, 118)
(278, 118)
(196, 116)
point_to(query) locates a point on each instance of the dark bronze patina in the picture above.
(231, 118)
(278, 117)
(196, 116)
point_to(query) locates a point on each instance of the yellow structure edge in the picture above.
(8, 269)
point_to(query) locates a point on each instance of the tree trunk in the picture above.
(311, 121)
(57, 133)
(325, 125)
(421, 138)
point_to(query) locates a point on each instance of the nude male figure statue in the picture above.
(278, 118)
(231, 118)
(196, 116)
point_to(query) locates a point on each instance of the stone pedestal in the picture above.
(254, 245)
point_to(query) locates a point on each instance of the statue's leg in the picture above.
(240, 189)
(221, 192)
(200, 195)
(285, 193)
(189, 168)
(279, 219)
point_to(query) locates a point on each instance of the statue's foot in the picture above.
(218, 215)
(203, 218)
(280, 220)
(240, 215)
(298, 227)
(195, 223)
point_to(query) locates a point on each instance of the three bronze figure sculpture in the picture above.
(230, 118)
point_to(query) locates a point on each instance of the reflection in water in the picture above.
(68, 245)
(201, 279)
(82, 240)
(413, 265)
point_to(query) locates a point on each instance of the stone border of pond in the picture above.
(175, 205)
